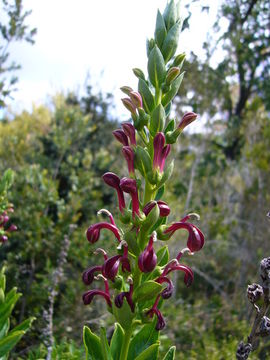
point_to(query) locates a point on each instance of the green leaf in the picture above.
(173, 91)
(156, 67)
(8, 342)
(170, 44)
(116, 341)
(170, 126)
(160, 193)
(162, 256)
(3, 279)
(92, 344)
(160, 30)
(170, 14)
(170, 354)
(167, 174)
(142, 160)
(4, 329)
(157, 120)
(104, 345)
(24, 326)
(147, 96)
(146, 337)
(146, 291)
(150, 353)
(124, 315)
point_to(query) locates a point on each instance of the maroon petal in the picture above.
(110, 267)
(121, 136)
(89, 295)
(167, 292)
(88, 275)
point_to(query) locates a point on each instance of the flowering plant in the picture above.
(136, 278)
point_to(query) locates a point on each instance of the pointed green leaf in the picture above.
(156, 67)
(24, 326)
(142, 160)
(116, 342)
(146, 291)
(170, 44)
(92, 344)
(4, 329)
(124, 315)
(170, 14)
(8, 342)
(157, 120)
(170, 354)
(170, 126)
(146, 337)
(160, 30)
(173, 91)
(147, 96)
(150, 353)
(167, 174)
(3, 279)
(104, 345)
(163, 256)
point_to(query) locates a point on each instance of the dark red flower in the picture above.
(121, 136)
(89, 274)
(113, 180)
(160, 151)
(130, 131)
(195, 238)
(93, 231)
(164, 209)
(130, 186)
(129, 156)
(148, 259)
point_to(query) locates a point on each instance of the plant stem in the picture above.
(125, 344)
(148, 193)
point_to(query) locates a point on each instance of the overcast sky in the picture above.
(105, 38)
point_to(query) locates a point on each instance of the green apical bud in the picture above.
(138, 73)
(150, 44)
(172, 74)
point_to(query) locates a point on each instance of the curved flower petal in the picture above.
(89, 274)
(89, 295)
(93, 231)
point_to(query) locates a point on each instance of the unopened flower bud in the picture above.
(254, 293)
(136, 99)
(126, 89)
(129, 156)
(129, 105)
(187, 119)
(130, 132)
(265, 327)
(148, 259)
(138, 73)
(121, 136)
(172, 74)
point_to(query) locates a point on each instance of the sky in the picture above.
(102, 38)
